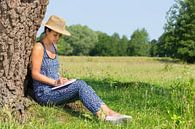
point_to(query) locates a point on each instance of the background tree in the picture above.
(64, 48)
(82, 40)
(179, 36)
(123, 46)
(102, 47)
(153, 50)
(114, 44)
(19, 22)
(139, 43)
(185, 31)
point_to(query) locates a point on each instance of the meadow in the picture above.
(159, 93)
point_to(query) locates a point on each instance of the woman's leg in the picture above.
(77, 90)
(92, 101)
(97, 107)
(106, 111)
(88, 97)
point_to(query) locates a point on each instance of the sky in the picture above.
(109, 16)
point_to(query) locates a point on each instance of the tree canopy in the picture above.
(178, 40)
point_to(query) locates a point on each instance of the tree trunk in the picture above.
(19, 23)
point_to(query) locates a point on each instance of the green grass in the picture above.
(158, 93)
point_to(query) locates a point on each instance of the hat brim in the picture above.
(64, 32)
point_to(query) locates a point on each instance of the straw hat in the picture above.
(57, 24)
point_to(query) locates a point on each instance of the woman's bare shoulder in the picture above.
(38, 46)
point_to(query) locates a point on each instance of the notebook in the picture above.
(65, 84)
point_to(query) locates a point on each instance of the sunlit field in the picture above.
(127, 69)
(157, 92)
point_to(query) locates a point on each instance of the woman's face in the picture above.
(52, 36)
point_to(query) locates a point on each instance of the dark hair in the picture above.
(46, 28)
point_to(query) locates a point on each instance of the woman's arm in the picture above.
(37, 56)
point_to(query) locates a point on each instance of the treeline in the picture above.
(85, 41)
(177, 41)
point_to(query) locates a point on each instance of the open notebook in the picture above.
(65, 84)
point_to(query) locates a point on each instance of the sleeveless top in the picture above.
(49, 68)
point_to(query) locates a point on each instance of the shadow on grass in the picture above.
(143, 96)
(110, 85)
(77, 109)
(168, 60)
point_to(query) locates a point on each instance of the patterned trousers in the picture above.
(76, 90)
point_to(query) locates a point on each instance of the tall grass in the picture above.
(156, 92)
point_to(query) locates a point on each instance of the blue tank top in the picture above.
(49, 68)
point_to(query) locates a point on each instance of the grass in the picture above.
(156, 92)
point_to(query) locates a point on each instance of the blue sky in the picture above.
(109, 16)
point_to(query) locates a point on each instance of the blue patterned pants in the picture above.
(77, 90)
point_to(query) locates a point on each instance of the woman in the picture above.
(45, 76)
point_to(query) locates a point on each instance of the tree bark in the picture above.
(19, 23)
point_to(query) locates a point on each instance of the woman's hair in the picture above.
(43, 34)
(46, 28)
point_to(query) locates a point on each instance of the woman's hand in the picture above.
(61, 81)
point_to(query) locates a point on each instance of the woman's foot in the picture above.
(118, 119)
(112, 113)
(107, 114)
